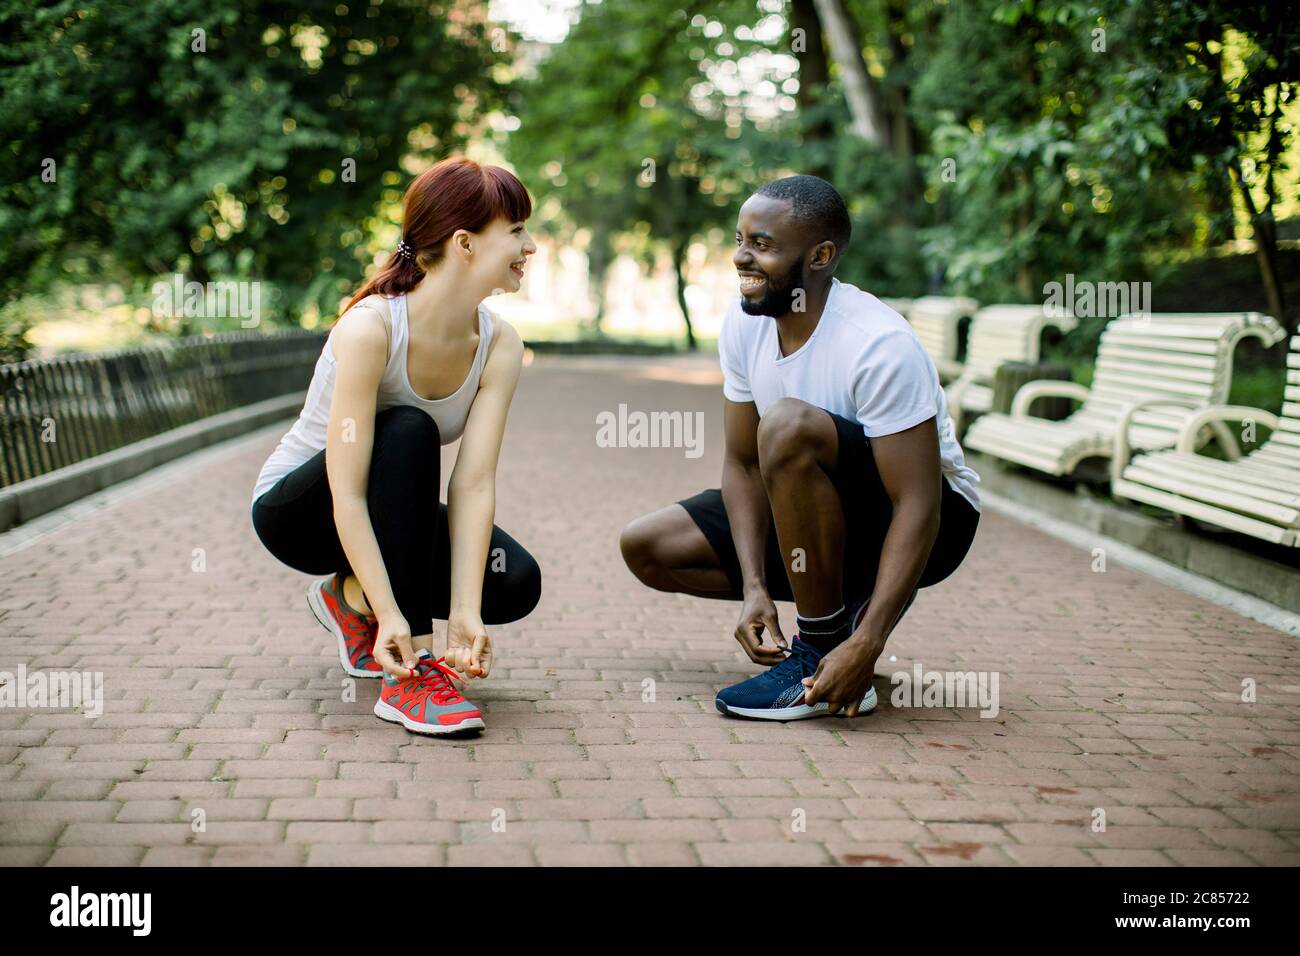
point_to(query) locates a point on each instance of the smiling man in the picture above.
(843, 486)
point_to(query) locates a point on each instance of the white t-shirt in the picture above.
(862, 362)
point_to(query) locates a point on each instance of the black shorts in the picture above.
(867, 513)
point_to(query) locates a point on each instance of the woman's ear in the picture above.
(462, 243)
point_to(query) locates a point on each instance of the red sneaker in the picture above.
(355, 631)
(427, 703)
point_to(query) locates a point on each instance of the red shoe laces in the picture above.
(437, 681)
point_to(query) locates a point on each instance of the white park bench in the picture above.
(901, 306)
(998, 334)
(1153, 373)
(937, 321)
(1258, 494)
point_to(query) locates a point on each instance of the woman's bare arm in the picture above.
(360, 344)
(471, 499)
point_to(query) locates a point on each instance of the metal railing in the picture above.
(58, 411)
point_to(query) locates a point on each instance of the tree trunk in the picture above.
(814, 72)
(1261, 222)
(198, 273)
(859, 88)
(598, 260)
(1265, 251)
(679, 261)
(902, 132)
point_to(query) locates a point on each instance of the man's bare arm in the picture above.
(749, 514)
(743, 492)
(908, 462)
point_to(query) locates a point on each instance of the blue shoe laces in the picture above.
(801, 662)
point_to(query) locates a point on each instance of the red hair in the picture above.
(457, 193)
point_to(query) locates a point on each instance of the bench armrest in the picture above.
(1043, 388)
(1119, 458)
(1221, 413)
(949, 369)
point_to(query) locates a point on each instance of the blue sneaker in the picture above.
(777, 694)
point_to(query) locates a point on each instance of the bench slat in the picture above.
(1268, 483)
(1208, 513)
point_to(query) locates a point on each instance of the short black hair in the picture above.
(816, 204)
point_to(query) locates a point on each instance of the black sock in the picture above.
(825, 633)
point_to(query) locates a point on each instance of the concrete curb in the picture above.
(37, 496)
(1269, 580)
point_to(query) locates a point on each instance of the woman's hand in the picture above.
(758, 615)
(393, 645)
(469, 649)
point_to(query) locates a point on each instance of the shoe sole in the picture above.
(326, 620)
(797, 712)
(390, 713)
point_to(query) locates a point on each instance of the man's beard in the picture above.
(779, 297)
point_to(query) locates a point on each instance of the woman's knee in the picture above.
(407, 445)
(407, 425)
(512, 585)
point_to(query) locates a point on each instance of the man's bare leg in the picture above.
(667, 551)
(797, 446)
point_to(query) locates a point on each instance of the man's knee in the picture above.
(638, 543)
(790, 431)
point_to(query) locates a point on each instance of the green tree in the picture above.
(215, 137)
(622, 123)
(1220, 75)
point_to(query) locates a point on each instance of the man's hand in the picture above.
(843, 675)
(469, 649)
(758, 614)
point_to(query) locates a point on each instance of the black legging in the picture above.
(294, 519)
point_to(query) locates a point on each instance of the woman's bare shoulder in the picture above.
(365, 326)
(505, 354)
(506, 346)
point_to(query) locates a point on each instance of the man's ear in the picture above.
(823, 256)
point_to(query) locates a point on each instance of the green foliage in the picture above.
(615, 126)
(1053, 170)
(224, 163)
(1027, 139)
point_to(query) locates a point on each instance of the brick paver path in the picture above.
(1118, 694)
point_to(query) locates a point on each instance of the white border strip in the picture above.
(1139, 560)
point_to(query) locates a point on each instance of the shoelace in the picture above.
(437, 678)
(800, 662)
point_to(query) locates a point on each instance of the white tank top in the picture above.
(307, 436)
